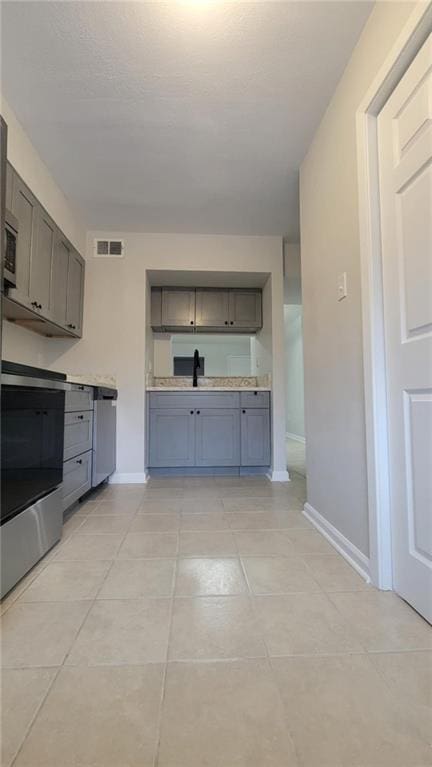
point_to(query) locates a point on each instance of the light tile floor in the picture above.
(204, 623)
(296, 456)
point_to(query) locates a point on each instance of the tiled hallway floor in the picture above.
(204, 623)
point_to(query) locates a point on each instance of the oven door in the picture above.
(32, 446)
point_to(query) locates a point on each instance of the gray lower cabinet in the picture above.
(78, 444)
(208, 429)
(217, 437)
(172, 437)
(255, 437)
(76, 478)
(78, 433)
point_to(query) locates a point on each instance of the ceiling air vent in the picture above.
(109, 248)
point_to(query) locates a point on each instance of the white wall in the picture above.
(334, 394)
(116, 334)
(294, 379)
(20, 345)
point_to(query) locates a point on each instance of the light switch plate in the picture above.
(342, 288)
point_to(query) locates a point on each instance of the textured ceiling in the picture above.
(180, 116)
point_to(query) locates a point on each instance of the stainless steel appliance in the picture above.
(10, 246)
(104, 434)
(32, 410)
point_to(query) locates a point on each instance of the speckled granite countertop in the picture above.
(210, 383)
(208, 388)
(92, 379)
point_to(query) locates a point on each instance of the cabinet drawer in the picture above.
(78, 433)
(79, 398)
(254, 399)
(76, 478)
(191, 400)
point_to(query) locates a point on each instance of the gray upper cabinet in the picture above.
(41, 263)
(24, 207)
(172, 437)
(233, 310)
(212, 308)
(217, 437)
(75, 293)
(245, 309)
(48, 297)
(255, 437)
(178, 308)
(59, 279)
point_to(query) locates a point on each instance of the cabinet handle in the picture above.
(191, 322)
(79, 460)
(72, 327)
(35, 304)
(81, 387)
(198, 412)
(81, 417)
(39, 306)
(243, 411)
(231, 323)
(191, 412)
(226, 322)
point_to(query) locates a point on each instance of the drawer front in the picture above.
(225, 400)
(255, 399)
(76, 478)
(78, 433)
(79, 398)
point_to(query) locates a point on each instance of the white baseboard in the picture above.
(278, 476)
(351, 553)
(136, 478)
(296, 437)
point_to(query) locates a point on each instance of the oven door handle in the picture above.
(27, 382)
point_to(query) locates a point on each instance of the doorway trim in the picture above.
(409, 42)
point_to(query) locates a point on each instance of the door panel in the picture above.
(172, 437)
(24, 207)
(217, 437)
(212, 308)
(75, 289)
(405, 156)
(178, 308)
(41, 263)
(59, 277)
(245, 309)
(255, 437)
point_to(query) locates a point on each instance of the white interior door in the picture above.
(405, 157)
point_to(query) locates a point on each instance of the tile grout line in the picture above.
(165, 670)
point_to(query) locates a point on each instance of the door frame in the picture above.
(406, 47)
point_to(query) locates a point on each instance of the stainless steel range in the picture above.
(32, 409)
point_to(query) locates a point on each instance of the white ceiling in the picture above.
(181, 116)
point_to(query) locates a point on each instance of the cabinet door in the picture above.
(212, 308)
(78, 434)
(41, 262)
(9, 185)
(217, 437)
(156, 308)
(245, 309)
(76, 478)
(75, 293)
(178, 308)
(59, 278)
(255, 437)
(172, 437)
(24, 207)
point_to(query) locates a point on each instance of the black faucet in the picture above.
(196, 365)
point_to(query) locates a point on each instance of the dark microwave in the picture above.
(11, 236)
